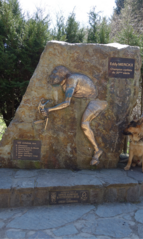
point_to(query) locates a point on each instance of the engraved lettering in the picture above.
(27, 150)
(63, 197)
(121, 67)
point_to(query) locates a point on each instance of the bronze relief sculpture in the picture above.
(80, 86)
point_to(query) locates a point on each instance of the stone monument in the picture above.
(74, 110)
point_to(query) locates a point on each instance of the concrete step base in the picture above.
(35, 187)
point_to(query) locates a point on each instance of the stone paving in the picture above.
(105, 221)
(20, 188)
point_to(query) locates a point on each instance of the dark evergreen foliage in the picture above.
(119, 5)
(93, 23)
(74, 34)
(21, 43)
(103, 32)
(58, 33)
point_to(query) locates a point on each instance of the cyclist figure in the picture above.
(80, 86)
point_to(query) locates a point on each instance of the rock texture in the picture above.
(64, 144)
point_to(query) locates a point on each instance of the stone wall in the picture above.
(64, 144)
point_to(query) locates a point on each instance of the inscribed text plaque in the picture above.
(27, 150)
(121, 67)
(66, 197)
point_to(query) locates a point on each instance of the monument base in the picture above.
(46, 186)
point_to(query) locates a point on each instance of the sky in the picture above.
(65, 7)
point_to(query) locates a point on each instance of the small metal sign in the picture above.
(121, 67)
(66, 197)
(27, 150)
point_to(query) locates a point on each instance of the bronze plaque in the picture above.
(66, 197)
(121, 67)
(27, 149)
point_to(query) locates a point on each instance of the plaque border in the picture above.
(121, 76)
(80, 201)
(27, 160)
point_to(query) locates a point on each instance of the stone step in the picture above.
(20, 187)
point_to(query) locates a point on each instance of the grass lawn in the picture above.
(2, 127)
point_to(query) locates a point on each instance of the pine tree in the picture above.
(119, 6)
(137, 14)
(93, 26)
(103, 31)
(21, 43)
(74, 34)
(58, 33)
(123, 28)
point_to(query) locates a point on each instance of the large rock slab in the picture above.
(64, 144)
